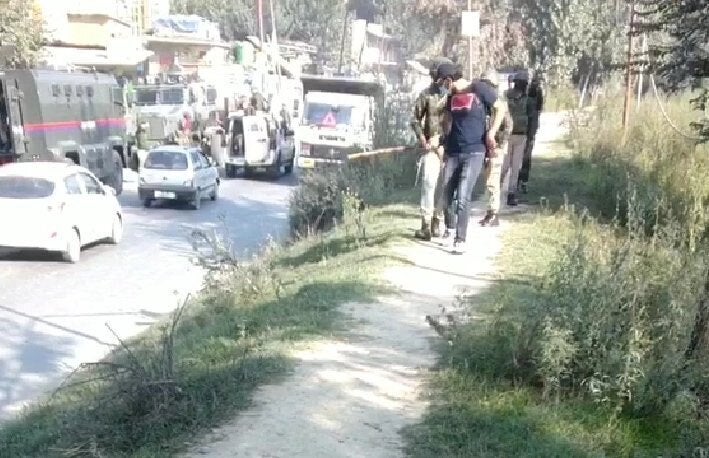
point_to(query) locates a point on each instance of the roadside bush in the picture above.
(620, 312)
(337, 195)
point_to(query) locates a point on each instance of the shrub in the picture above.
(621, 312)
(326, 196)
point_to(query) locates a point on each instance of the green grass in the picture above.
(230, 340)
(483, 404)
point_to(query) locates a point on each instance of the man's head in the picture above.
(521, 79)
(446, 74)
(490, 76)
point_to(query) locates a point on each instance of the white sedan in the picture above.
(57, 207)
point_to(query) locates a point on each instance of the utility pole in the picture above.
(342, 42)
(470, 46)
(260, 21)
(629, 72)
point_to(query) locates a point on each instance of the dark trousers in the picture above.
(460, 174)
(527, 159)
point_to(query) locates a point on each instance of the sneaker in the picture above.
(447, 238)
(494, 221)
(459, 247)
(512, 200)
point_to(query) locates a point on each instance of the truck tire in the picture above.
(290, 165)
(116, 181)
(274, 172)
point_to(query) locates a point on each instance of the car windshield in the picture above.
(157, 96)
(166, 160)
(323, 114)
(16, 187)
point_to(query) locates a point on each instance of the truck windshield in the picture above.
(156, 96)
(14, 187)
(323, 114)
(166, 160)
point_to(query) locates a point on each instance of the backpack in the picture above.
(519, 110)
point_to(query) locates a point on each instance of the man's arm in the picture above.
(419, 113)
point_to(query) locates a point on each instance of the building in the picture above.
(145, 12)
(95, 33)
(375, 51)
(189, 43)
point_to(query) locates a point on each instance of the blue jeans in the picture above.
(459, 177)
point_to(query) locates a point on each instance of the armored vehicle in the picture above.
(48, 115)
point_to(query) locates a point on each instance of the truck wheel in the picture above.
(215, 193)
(117, 178)
(289, 167)
(275, 170)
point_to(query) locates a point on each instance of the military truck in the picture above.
(338, 119)
(50, 115)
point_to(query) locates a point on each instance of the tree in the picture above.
(21, 32)
(562, 34)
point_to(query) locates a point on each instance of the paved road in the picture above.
(53, 315)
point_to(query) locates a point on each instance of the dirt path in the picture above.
(350, 396)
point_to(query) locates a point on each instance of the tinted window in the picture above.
(25, 188)
(166, 160)
(72, 185)
(92, 186)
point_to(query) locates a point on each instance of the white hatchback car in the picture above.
(58, 207)
(178, 173)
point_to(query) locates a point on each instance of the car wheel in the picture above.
(197, 201)
(289, 167)
(147, 203)
(72, 253)
(116, 231)
(215, 193)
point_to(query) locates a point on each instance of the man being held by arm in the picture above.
(469, 138)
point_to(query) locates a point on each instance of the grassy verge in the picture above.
(588, 344)
(200, 367)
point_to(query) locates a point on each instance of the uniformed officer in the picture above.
(536, 103)
(428, 130)
(496, 160)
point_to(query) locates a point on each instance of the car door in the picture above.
(210, 172)
(97, 216)
(198, 170)
(255, 139)
(76, 212)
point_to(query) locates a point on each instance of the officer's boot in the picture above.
(486, 220)
(425, 232)
(435, 227)
(512, 200)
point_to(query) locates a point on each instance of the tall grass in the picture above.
(614, 312)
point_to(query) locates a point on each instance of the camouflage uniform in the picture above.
(427, 126)
(519, 109)
(497, 163)
(536, 103)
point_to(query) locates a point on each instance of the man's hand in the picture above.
(490, 142)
